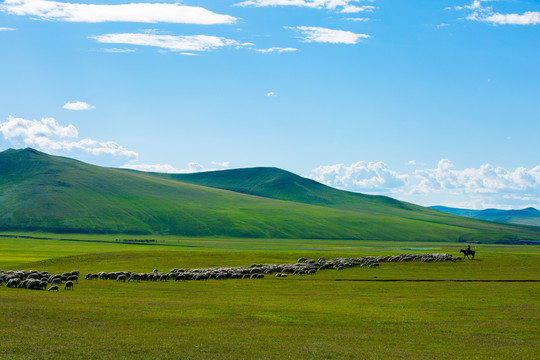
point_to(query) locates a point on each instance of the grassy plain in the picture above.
(354, 314)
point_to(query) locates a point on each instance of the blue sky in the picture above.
(433, 102)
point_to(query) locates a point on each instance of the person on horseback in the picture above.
(467, 252)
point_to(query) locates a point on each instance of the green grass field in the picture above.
(353, 314)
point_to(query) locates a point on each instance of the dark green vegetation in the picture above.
(527, 216)
(330, 315)
(39, 192)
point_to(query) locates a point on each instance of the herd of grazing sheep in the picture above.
(36, 280)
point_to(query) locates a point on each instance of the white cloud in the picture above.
(351, 9)
(169, 42)
(49, 136)
(479, 12)
(276, 50)
(476, 4)
(6, 29)
(78, 106)
(133, 12)
(481, 187)
(346, 6)
(271, 93)
(117, 50)
(412, 162)
(359, 176)
(222, 165)
(166, 168)
(486, 179)
(324, 35)
(358, 19)
(159, 168)
(527, 18)
(31, 129)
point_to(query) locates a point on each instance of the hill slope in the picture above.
(527, 216)
(49, 193)
(283, 185)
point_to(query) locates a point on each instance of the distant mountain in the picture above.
(527, 216)
(39, 192)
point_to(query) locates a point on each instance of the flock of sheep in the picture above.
(36, 280)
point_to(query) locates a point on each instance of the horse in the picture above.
(466, 253)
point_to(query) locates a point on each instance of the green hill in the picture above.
(39, 192)
(527, 216)
(283, 185)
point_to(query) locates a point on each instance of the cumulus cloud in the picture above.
(133, 12)
(166, 168)
(481, 187)
(170, 42)
(78, 106)
(359, 176)
(271, 93)
(324, 35)
(486, 179)
(346, 6)
(49, 136)
(477, 11)
(276, 50)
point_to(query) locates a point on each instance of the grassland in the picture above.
(352, 314)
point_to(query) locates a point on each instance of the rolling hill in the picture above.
(39, 192)
(283, 185)
(527, 216)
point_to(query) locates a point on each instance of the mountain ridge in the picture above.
(525, 216)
